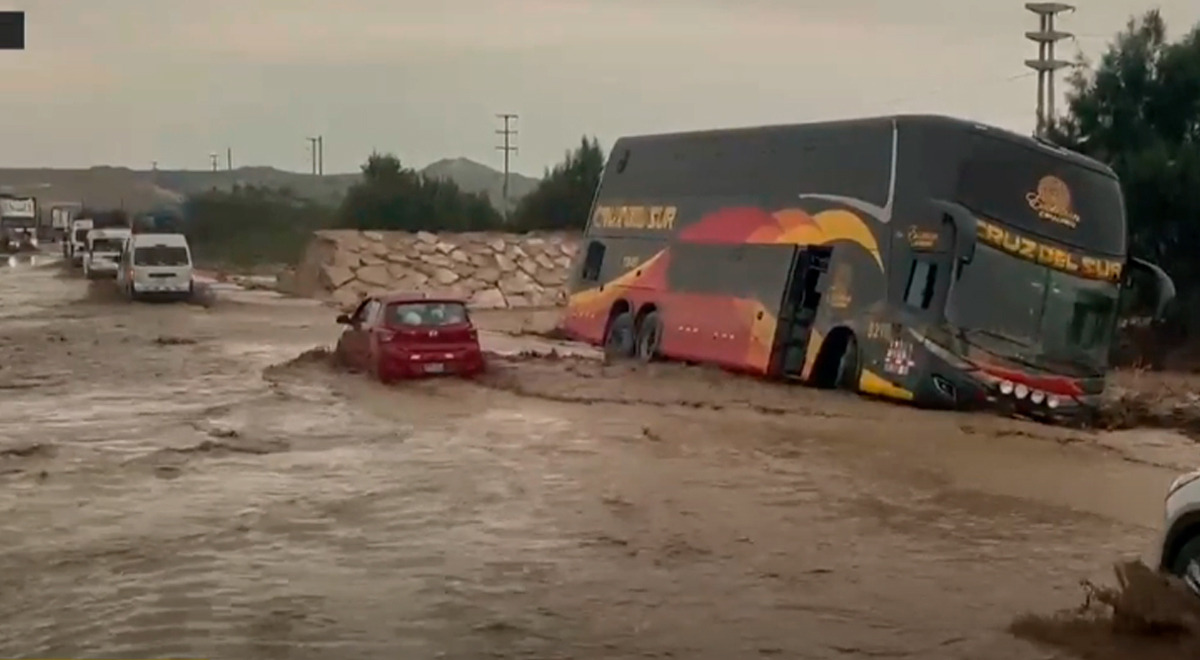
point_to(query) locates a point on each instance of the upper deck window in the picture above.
(1044, 194)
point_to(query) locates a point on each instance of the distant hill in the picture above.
(144, 190)
(475, 177)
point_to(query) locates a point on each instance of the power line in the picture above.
(508, 148)
(955, 87)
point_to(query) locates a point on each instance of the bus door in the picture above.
(801, 299)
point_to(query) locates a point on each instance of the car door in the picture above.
(354, 339)
(373, 328)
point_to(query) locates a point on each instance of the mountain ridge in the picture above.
(107, 186)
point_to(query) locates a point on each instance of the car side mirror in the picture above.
(1164, 286)
(343, 319)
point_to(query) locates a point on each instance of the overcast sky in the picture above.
(128, 82)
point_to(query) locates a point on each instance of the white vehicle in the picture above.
(104, 248)
(156, 266)
(1179, 547)
(77, 241)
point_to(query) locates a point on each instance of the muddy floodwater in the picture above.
(174, 482)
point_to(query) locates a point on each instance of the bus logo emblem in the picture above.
(1052, 202)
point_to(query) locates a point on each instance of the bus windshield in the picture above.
(1032, 313)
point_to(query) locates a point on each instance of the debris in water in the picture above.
(27, 451)
(164, 340)
(1152, 614)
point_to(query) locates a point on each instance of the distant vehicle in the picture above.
(923, 259)
(61, 215)
(76, 243)
(1179, 546)
(403, 335)
(18, 222)
(156, 267)
(104, 248)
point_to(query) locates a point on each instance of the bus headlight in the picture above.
(1037, 396)
(1021, 391)
(1006, 387)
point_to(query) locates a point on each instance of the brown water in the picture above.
(173, 483)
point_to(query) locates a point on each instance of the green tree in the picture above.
(1138, 109)
(251, 225)
(393, 197)
(563, 199)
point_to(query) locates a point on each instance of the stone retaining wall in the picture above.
(492, 270)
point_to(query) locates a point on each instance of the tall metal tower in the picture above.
(508, 147)
(1046, 36)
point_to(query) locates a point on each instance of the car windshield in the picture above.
(1033, 313)
(107, 245)
(426, 314)
(160, 255)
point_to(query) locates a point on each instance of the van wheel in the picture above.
(849, 367)
(1186, 564)
(649, 337)
(620, 339)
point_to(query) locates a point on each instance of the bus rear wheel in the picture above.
(849, 368)
(649, 336)
(620, 340)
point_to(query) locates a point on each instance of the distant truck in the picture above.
(61, 215)
(75, 245)
(87, 220)
(18, 222)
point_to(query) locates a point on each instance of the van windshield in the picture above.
(107, 245)
(161, 255)
(81, 235)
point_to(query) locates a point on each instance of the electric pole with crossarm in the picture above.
(508, 148)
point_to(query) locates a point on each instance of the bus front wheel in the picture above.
(620, 339)
(849, 370)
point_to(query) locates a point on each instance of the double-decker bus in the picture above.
(921, 258)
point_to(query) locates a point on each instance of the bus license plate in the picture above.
(435, 368)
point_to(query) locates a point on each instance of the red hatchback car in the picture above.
(402, 335)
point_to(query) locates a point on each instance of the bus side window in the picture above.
(593, 261)
(921, 278)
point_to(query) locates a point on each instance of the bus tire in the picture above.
(649, 337)
(620, 339)
(849, 366)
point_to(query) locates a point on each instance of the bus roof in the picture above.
(942, 122)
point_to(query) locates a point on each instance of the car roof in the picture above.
(414, 296)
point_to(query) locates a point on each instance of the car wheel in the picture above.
(619, 339)
(378, 373)
(1186, 564)
(649, 337)
(849, 369)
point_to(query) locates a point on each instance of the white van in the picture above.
(104, 248)
(77, 240)
(156, 266)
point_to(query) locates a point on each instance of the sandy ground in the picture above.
(175, 482)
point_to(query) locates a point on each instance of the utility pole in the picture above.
(1046, 36)
(313, 144)
(508, 148)
(213, 158)
(229, 158)
(320, 155)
